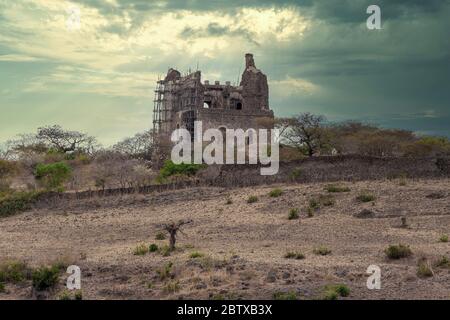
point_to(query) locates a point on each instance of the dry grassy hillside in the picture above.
(236, 249)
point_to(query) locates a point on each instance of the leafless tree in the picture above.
(172, 228)
(139, 146)
(66, 141)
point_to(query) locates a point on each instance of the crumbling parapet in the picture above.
(181, 100)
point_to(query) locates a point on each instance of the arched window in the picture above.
(206, 105)
(239, 106)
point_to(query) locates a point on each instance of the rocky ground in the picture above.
(240, 246)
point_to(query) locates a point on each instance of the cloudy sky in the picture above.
(97, 73)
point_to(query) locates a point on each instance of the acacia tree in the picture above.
(306, 132)
(66, 141)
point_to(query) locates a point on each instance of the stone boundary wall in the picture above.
(329, 168)
(316, 169)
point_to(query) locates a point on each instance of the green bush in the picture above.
(53, 175)
(2, 287)
(398, 251)
(165, 251)
(78, 295)
(13, 271)
(276, 193)
(45, 277)
(314, 204)
(196, 254)
(291, 295)
(332, 292)
(252, 199)
(365, 197)
(172, 287)
(332, 188)
(322, 251)
(14, 202)
(171, 169)
(330, 295)
(293, 214)
(443, 238)
(165, 272)
(67, 295)
(443, 262)
(153, 248)
(140, 250)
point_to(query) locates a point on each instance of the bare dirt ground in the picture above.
(243, 244)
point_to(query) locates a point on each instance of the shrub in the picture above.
(45, 277)
(424, 269)
(335, 188)
(2, 287)
(398, 251)
(443, 238)
(140, 250)
(13, 271)
(7, 169)
(78, 295)
(160, 236)
(332, 292)
(252, 199)
(196, 254)
(294, 255)
(326, 200)
(428, 146)
(291, 295)
(12, 203)
(171, 169)
(165, 250)
(276, 193)
(67, 295)
(314, 204)
(443, 262)
(293, 214)
(172, 286)
(310, 212)
(330, 295)
(53, 175)
(322, 251)
(342, 290)
(165, 272)
(153, 248)
(229, 201)
(365, 197)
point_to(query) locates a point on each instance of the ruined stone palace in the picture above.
(181, 100)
